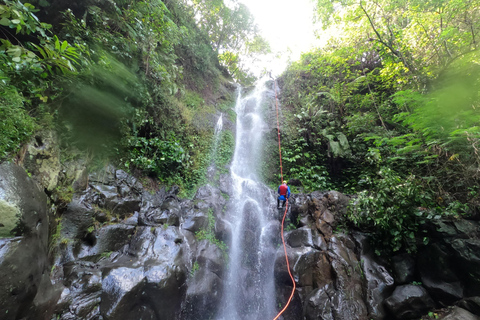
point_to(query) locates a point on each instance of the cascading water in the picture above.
(249, 292)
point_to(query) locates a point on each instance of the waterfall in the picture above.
(249, 291)
(218, 127)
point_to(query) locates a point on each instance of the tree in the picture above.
(232, 32)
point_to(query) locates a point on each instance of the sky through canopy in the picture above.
(288, 27)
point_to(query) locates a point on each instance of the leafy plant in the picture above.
(392, 210)
(209, 234)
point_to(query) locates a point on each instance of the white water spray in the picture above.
(249, 292)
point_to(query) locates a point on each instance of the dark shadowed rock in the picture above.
(77, 219)
(210, 257)
(107, 239)
(403, 268)
(203, 294)
(223, 230)
(299, 237)
(409, 302)
(299, 210)
(438, 273)
(347, 277)
(471, 304)
(467, 256)
(302, 261)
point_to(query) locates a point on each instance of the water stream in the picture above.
(250, 290)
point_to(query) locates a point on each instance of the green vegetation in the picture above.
(195, 268)
(388, 109)
(209, 234)
(129, 82)
(225, 150)
(232, 32)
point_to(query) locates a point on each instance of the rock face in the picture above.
(124, 253)
(449, 266)
(120, 252)
(23, 246)
(337, 276)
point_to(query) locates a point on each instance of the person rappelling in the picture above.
(283, 194)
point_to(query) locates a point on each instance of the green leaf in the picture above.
(64, 46)
(15, 21)
(5, 22)
(14, 51)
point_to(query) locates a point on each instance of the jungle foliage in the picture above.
(389, 109)
(134, 81)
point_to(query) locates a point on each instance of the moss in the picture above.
(209, 234)
(10, 216)
(225, 150)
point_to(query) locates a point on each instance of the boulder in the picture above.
(150, 281)
(327, 304)
(471, 304)
(347, 274)
(105, 240)
(409, 302)
(203, 294)
(378, 282)
(194, 220)
(438, 273)
(318, 304)
(459, 314)
(302, 261)
(211, 197)
(466, 255)
(76, 220)
(80, 298)
(305, 236)
(23, 248)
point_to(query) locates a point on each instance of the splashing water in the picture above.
(249, 291)
(219, 126)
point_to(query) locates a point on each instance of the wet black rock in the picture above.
(378, 282)
(404, 268)
(471, 304)
(459, 314)
(23, 248)
(409, 302)
(204, 283)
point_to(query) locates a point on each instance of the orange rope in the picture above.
(284, 214)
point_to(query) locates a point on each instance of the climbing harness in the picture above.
(286, 208)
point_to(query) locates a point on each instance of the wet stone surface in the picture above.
(124, 253)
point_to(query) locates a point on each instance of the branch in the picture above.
(389, 46)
